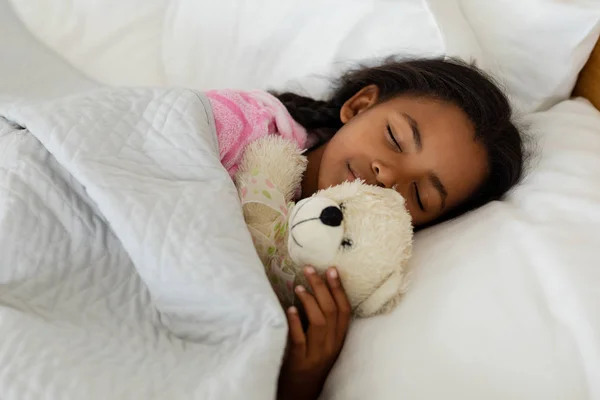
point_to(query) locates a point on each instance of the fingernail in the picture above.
(310, 270)
(293, 310)
(300, 289)
(333, 273)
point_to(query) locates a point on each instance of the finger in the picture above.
(317, 324)
(322, 294)
(344, 310)
(296, 334)
(311, 307)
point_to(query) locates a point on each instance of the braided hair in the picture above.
(444, 79)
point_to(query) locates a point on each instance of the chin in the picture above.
(327, 185)
(341, 175)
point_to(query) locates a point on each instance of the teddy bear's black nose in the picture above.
(331, 216)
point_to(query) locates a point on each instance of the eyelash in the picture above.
(393, 138)
(419, 202)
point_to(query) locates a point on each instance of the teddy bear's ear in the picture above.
(384, 298)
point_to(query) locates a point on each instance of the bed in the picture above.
(588, 82)
(505, 302)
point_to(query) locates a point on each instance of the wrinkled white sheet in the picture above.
(30, 69)
(127, 271)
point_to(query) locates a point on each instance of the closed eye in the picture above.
(418, 196)
(393, 138)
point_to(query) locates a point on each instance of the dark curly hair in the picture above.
(445, 79)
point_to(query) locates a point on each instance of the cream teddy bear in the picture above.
(364, 231)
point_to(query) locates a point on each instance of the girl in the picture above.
(436, 130)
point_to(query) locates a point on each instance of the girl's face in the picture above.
(422, 147)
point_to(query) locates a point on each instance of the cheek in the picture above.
(337, 150)
(419, 219)
(342, 141)
(356, 132)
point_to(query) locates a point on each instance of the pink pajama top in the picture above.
(244, 116)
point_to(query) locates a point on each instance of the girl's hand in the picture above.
(311, 355)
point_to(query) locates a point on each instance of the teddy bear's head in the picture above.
(365, 231)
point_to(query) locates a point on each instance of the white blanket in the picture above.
(126, 270)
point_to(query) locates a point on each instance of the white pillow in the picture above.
(505, 302)
(240, 44)
(538, 46)
(535, 47)
(278, 41)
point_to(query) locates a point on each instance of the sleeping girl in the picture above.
(436, 130)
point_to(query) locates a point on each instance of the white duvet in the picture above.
(126, 270)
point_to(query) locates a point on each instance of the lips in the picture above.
(352, 175)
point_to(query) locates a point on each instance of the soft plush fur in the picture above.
(364, 231)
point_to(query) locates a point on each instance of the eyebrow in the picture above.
(415, 130)
(435, 181)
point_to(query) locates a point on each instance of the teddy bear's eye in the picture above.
(342, 206)
(346, 243)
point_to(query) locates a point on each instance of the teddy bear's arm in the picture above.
(280, 159)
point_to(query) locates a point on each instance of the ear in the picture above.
(363, 99)
(384, 298)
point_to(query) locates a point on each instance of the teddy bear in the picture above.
(364, 231)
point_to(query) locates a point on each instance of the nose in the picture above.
(383, 175)
(331, 216)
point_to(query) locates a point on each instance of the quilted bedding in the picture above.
(126, 270)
